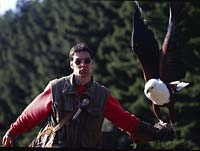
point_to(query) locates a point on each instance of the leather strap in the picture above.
(50, 130)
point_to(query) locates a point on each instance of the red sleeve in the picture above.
(33, 114)
(120, 118)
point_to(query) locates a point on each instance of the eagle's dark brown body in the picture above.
(164, 64)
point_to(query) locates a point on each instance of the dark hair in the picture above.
(78, 48)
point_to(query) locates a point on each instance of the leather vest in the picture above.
(85, 130)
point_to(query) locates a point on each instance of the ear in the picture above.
(71, 65)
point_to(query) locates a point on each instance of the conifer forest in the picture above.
(35, 41)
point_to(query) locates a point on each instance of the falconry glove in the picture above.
(146, 132)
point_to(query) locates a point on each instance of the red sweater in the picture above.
(41, 106)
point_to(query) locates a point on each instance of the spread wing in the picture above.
(166, 64)
(144, 45)
(171, 66)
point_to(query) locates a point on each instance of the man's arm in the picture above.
(122, 119)
(140, 131)
(33, 115)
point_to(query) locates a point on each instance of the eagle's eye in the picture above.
(149, 89)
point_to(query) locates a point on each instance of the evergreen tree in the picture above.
(34, 47)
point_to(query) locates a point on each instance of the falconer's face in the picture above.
(82, 65)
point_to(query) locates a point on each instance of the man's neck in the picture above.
(83, 80)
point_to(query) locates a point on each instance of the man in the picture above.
(64, 96)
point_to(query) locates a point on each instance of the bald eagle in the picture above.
(162, 68)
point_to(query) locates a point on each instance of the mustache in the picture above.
(84, 70)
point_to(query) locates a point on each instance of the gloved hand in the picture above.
(173, 126)
(146, 132)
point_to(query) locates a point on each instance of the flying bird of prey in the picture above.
(162, 69)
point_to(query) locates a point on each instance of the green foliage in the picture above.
(34, 49)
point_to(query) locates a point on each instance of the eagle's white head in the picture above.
(157, 91)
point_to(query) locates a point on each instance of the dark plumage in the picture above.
(160, 67)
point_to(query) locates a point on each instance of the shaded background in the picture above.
(34, 45)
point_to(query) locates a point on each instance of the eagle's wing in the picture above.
(171, 67)
(144, 45)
